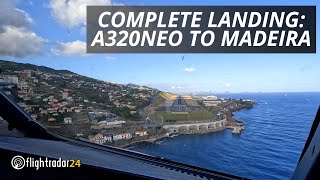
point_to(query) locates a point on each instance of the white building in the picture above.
(211, 103)
(210, 98)
(67, 120)
(141, 133)
(108, 138)
(24, 87)
(124, 135)
(98, 138)
(110, 123)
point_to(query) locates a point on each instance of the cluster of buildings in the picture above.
(59, 98)
(117, 92)
(210, 101)
(101, 138)
(21, 79)
(51, 107)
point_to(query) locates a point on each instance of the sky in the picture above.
(52, 33)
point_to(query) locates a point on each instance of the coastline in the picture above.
(231, 120)
(257, 136)
(172, 135)
(146, 141)
(231, 123)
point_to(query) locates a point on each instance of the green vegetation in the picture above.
(200, 115)
(20, 67)
(169, 117)
(191, 116)
(162, 97)
(162, 109)
(168, 96)
(125, 113)
(82, 92)
(159, 100)
(192, 102)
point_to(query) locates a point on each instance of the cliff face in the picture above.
(229, 114)
(232, 121)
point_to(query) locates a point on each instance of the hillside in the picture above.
(23, 66)
(59, 93)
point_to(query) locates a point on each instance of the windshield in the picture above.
(243, 114)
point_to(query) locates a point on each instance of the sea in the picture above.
(269, 148)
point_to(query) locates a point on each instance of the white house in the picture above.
(124, 135)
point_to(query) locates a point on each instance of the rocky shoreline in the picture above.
(172, 135)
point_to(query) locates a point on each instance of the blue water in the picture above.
(269, 147)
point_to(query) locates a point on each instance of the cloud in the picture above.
(16, 39)
(15, 17)
(190, 69)
(73, 13)
(74, 48)
(224, 84)
(20, 42)
(11, 16)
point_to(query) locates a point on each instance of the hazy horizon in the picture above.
(52, 34)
